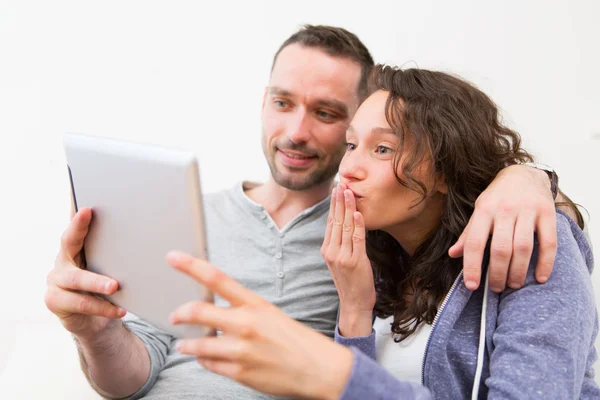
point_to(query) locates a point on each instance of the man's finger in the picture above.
(72, 278)
(73, 238)
(475, 242)
(213, 278)
(501, 251)
(457, 249)
(522, 249)
(64, 303)
(546, 232)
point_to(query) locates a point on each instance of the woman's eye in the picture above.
(350, 146)
(383, 150)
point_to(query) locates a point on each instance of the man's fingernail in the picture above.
(107, 287)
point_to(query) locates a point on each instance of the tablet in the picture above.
(145, 200)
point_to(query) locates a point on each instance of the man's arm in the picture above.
(116, 364)
(566, 205)
(114, 359)
(517, 204)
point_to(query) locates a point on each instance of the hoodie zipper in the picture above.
(435, 319)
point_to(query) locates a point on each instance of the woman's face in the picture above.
(367, 169)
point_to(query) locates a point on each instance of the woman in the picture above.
(420, 150)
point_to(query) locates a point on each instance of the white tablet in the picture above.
(146, 200)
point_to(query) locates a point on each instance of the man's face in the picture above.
(307, 107)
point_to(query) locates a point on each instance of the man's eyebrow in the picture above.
(335, 105)
(377, 129)
(279, 91)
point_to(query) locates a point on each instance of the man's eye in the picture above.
(350, 146)
(325, 115)
(280, 103)
(383, 150)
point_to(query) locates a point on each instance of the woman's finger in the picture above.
(329, 220)
(206, 314)
(348, 225)
(214, 279)
(338, 219)
(359, 247)
(225, 368)
(222, 347)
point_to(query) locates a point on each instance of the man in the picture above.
(268, 236)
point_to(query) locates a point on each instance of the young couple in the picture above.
(427, 173)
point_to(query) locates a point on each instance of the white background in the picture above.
(192, 74)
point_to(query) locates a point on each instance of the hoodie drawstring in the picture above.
(481, 348)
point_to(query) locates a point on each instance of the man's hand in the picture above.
(71, 292)
(515, 205)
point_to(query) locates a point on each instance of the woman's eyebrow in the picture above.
(376, 130)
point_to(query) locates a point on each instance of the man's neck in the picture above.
(283, 204)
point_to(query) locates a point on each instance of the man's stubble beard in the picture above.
(306, 180)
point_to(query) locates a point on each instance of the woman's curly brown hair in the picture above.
(459, 127)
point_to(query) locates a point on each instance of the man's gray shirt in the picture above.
(282, 265)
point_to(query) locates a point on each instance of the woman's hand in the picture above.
(260, 346)
(344, 251)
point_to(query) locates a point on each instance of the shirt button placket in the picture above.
(279, 274)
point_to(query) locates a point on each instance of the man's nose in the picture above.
(300, 128)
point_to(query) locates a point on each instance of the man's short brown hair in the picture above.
(336, 42)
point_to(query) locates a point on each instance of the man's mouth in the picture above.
(294, 159)
(296, 156)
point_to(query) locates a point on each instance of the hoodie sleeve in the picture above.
(543, 343)
(366, 344)
(368, 380)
